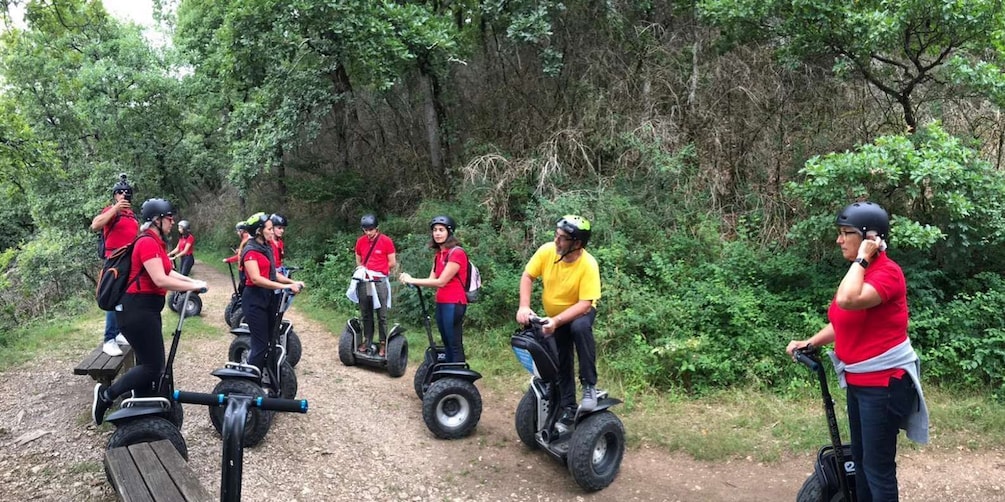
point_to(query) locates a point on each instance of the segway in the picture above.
(590, 443)
(395, 357)
(238, 377)
(833, 477)
(150, 416)
(192, 303)
(235, 418)
(235, 298)
(451, 404)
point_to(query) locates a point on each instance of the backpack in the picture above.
(473, 286)
(114, 278)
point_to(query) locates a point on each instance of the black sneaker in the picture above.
(568, 418)
(100, 404)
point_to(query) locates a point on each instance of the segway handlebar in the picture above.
(265, 403)
(808, 356)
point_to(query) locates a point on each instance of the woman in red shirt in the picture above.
(139, 315)
(872, 352)
(449, 274)
(185, 248)
(258, 300)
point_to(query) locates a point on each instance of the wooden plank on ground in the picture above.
(183, 475)
(157, 480)
(125, 477)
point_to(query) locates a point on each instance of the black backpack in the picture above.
(114, 278)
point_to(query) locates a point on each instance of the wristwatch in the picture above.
(863, 262)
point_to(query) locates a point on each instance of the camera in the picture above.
(128, 195)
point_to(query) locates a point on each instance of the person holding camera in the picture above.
(872, 355)
(118, 226)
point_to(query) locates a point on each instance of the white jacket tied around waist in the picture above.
(372, 277)
(902, 357)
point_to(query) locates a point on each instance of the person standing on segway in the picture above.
(118, 226)
(872, 354)
(185, 248)
(259, 302)
(139, 315)
(279, 223)
(375, 257)
(448, 275)
(570, 278)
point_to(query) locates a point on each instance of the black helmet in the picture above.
(241, 227)
(577, 227)
(368, 221)
(154, 208)
(255, 222)
(124, 186)
(865, 217)
(445, 221)
(278, 220)
(183, 224)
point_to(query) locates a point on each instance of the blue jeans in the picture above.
(450, 320)
(874, 416)
(111, 326)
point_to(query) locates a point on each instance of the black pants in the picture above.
(578, 334)
(186, 264)
(140, 322)
(259, 306)
(366, 309)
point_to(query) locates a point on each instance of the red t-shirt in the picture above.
(864, 334)
(453, 290)
(378, 258)
(263, 265)
(278, 250)
(120, 231)
(146, 249)
(189, 239)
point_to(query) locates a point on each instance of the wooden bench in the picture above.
(103, 367)
(153, 472)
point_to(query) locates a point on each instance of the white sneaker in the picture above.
(111, 348)
(121, 340)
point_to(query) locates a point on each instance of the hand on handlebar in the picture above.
(797, 345)
(198, 286)
(297, 286)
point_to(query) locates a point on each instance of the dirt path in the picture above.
(364, 439)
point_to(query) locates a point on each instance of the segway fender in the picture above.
(462, 374)
(126, 414)
(241, 329)
(826, 468)
(396, 330)
(223, 373)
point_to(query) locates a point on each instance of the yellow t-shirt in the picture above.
(564, 283)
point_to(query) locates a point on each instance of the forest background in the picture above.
(711, 143)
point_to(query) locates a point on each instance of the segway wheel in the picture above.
(596, 450)
(397, 356)
(257, 421)
(813, 490)
(294, 349)
(193, 306)
(235, 301)
(287, 381)
(147, 430)
(236, 317)
(526, 420)
(345, 347)
(173, 301)
(240, 349)
(176, 415)
(421, 373)
(451, 408)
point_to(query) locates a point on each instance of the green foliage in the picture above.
(942, 197)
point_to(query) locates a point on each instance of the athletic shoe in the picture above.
(111, 348)
(121, 340)
(100, 405)
(589, 402)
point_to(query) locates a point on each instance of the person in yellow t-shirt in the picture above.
(570, 280)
